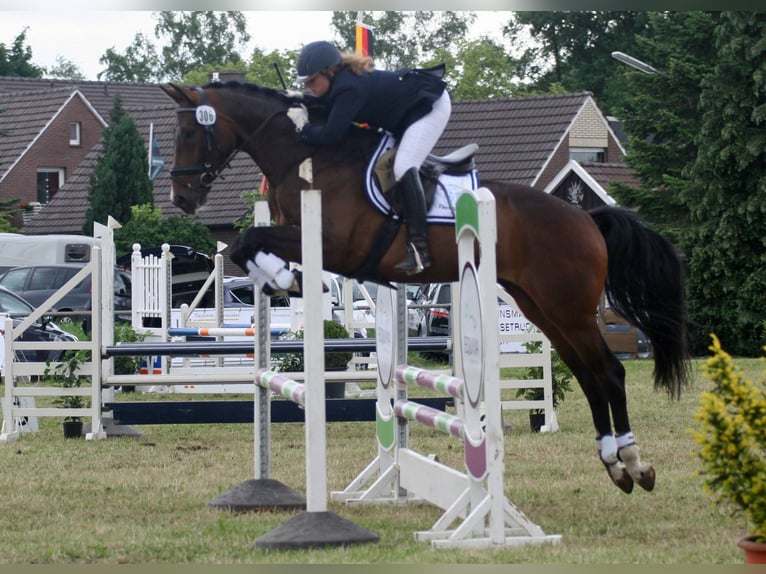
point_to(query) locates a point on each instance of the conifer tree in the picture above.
(726, 244)
(120, 178)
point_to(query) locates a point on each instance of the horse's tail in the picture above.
(645, 284)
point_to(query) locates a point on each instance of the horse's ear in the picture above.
(177, 93)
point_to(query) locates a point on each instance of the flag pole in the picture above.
(151, 136)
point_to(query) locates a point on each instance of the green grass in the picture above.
(144, 500)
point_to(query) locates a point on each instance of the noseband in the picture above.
(206, 117)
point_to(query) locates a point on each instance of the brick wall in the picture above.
(558, 160)
(52, 151)
(589, 129)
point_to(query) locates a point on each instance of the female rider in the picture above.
(413, 105)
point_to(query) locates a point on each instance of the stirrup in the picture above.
(413, 263)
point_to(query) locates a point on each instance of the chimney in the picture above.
(228, 76)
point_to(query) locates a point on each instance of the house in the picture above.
(48, 127)
(560, 143)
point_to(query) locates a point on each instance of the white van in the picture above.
(17, 249)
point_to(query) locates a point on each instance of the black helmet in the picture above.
(315, 57)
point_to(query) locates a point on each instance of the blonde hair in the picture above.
(357, 63)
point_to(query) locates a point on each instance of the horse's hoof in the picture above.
(646, 480)
(619, 475)
(625, 482)
(641, 472)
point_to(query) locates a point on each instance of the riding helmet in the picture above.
(315, 57)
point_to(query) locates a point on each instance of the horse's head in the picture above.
(205, 142)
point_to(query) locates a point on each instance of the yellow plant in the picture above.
(732, 439)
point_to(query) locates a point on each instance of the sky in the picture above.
(82, 37)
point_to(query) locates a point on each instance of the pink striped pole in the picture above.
(406, 374)
(431, 417)
(281, 385)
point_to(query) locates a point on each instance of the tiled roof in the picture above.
(605, 173)
(66, 211)
(99, 94)
(515, 135)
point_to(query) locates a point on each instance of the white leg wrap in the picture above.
(607, 448)
(255, 273)
(274, 268)
(626, 439)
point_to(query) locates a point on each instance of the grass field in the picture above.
(144, 500)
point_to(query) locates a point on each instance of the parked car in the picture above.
(436, 317)
(624, 340)
(43, 330)
(238, 301)
(36, 283)
(237, 292)
(416, 298)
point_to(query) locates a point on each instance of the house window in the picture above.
(74, 133)
(48, 183)
(594, 154)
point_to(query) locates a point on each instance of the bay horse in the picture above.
(554, 258)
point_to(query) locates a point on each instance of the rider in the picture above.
(413, 105)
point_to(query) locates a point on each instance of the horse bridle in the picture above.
(206, 117)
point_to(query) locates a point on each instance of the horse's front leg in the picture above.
(262, 252)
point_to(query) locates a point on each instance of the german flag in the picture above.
(363, 40)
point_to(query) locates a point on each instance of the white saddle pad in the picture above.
(443, 207)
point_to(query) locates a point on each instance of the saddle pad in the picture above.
(449, 187)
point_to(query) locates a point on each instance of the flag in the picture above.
(156, 163)
(363, 40)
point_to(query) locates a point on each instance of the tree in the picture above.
(147, 227)
(7, 210)
(660, 114)
(192, 40)
(480, 69)
(120, 178)
(66, 70)
(574, 49)
(404, 39)
(726, 244)
(16, 60)
(140, 63)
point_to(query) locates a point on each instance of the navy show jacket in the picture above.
(388, 100)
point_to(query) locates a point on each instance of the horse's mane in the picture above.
(286, 97)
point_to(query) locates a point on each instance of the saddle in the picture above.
(458, 162)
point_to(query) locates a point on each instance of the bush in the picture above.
(732, 439)
(293, 362)
(561, 378)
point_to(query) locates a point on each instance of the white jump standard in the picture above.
(476, 512)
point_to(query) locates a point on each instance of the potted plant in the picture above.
(65, 374)
(732, 440)
(333, 361)
(561, 383)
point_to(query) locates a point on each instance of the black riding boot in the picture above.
(418, 257)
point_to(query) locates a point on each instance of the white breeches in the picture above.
(420, 138)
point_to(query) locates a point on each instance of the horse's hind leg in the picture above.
(602, 379)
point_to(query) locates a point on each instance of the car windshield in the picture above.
(11, 304)
(370, 287)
